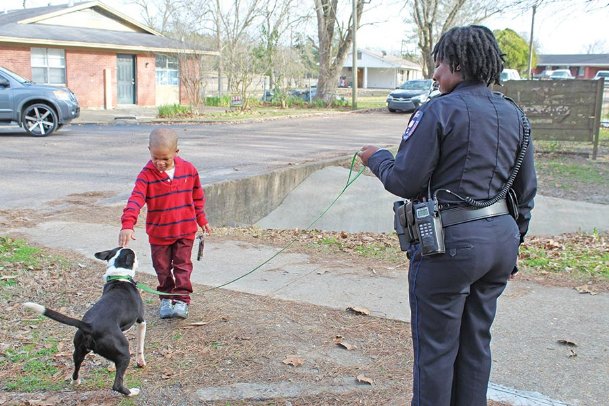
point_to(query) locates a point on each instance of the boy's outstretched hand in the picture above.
(206, 229)
(125, 236)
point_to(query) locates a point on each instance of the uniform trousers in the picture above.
(453, 300)
(173, 266)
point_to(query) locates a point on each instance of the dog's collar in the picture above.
(125, 278)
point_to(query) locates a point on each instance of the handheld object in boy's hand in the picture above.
(201, 246)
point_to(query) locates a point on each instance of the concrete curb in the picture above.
(110, 117)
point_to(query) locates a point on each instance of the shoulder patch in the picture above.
(412, 125)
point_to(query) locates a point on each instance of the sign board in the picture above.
(235, 101)
(559, 110)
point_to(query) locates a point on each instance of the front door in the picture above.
(125, 68)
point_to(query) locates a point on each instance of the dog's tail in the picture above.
(52, 314)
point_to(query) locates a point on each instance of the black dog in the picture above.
(101, 328)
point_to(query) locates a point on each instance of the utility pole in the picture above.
(354, 59)
(531, 43)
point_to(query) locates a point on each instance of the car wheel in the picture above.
(391, 110)
(39, 120)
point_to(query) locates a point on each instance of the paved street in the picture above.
(104, 158)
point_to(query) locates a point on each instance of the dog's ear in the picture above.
(106, 255)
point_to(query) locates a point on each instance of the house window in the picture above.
(359, 55)
(167, 70)
(49, 66)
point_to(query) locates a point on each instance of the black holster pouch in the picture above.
(399, 224)
(402, 211)
(511, 200)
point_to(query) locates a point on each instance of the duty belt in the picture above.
(459, 215)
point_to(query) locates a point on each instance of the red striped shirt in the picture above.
(175, 207)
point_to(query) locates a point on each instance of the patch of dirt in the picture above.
(229, 338)
(557, 176)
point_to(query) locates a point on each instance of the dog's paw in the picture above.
(133, 392)
(76, 382)
(141, 363)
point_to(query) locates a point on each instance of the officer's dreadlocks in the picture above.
(473, 50)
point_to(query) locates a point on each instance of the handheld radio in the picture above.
(428, 224)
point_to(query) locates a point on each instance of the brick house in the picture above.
(106, 58)
(582, 66)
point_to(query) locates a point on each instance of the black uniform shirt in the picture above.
(467, 141)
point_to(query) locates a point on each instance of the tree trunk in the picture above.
(333, 48)
(219, 47)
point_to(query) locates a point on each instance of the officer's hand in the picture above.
(366, 152)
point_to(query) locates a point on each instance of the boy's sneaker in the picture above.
(180, 309)
(166, 309)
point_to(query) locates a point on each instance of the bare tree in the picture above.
(159, 14)
(278, 17)
(432, 18)
(597, 47)
(334, 43)
(233, 30)
(194, 69)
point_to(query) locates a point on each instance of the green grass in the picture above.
(174, 110)
(12, 251)
(583, 256)
(40, 371)
(370, 102)
(366, 249)
(257, 108)
(38, 366)
(218, 101)
(563, 172)
(377, 250)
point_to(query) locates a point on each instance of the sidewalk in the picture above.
(128, 113)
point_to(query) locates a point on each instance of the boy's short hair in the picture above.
(163, 137)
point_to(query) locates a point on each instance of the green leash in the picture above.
(323, 213)
(145, 288)
(142, 286)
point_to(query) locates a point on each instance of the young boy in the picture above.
(171, 189)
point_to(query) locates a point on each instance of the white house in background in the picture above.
(376, 70)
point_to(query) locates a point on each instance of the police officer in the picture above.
(461, 147)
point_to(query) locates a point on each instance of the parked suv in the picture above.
(39, 109)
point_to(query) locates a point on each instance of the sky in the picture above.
(558, 29)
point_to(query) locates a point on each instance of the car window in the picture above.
(416, 85)
(13, 75)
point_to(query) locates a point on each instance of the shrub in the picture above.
(174, 110)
